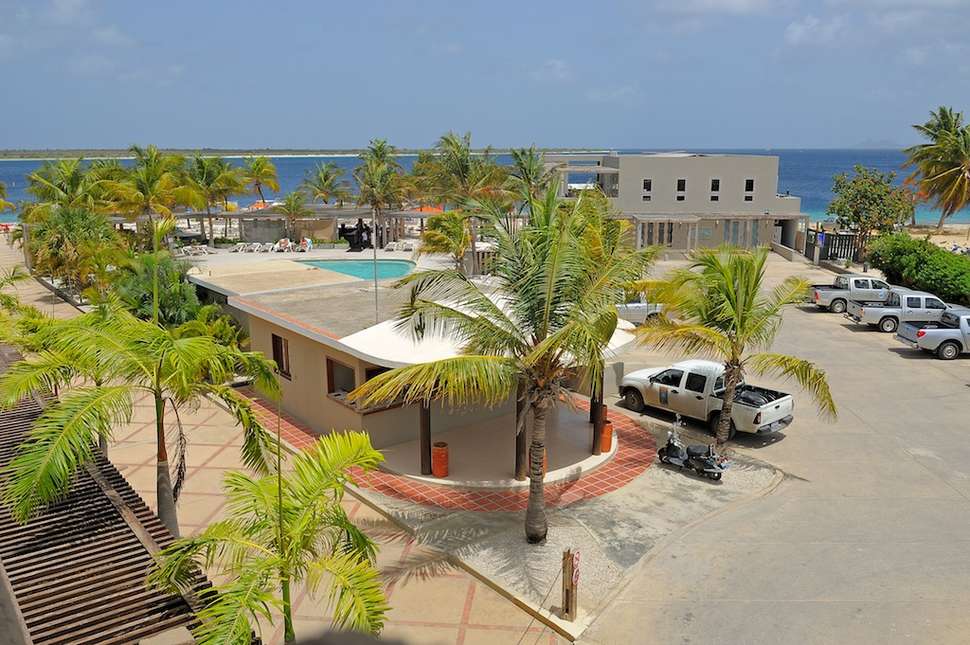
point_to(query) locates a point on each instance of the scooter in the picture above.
(703, 460)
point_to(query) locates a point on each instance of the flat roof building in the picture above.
(683, 200)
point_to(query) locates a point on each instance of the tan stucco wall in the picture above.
(304, 394)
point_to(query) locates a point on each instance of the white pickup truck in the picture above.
(836, 296)
(695, 389)
(947, 339)
(637, 311)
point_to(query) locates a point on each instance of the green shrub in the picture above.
(918, 264)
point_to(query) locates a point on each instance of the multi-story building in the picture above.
(685, 200)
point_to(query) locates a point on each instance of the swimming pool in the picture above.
(364, 269)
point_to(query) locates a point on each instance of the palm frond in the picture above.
(42, 372)
(458, 381)
(355, 592)
(258, 445)
(810, 377)
(691, 338)
(62, 439)
(324, 466)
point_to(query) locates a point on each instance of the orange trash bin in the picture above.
(606, 440)
(439, 459)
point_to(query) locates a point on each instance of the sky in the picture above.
(639, 74)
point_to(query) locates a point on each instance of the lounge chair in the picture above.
(266, 247)
(241, 246)
(253, 247)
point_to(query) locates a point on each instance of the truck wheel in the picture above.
(948, 351)
(715, 420)
(633, 399)
(837, 306)
(888, 325)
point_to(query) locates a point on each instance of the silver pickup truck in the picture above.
(902, 305)
(836, 296)
(947, 339)
(638, 311)
(696, 389)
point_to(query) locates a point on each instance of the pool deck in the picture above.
(250, 273)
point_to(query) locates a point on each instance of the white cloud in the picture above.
(719, 6)
(814, 31)
(616, 94)
(554, 69)
(112, 37)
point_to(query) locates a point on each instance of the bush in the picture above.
(918, 264)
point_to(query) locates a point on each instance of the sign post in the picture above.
(570, 583)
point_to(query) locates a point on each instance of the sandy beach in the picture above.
(952, 234)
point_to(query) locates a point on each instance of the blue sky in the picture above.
(647, 73)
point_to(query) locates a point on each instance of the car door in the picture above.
(933, 309)
(880, 289)
(692, 400)
(664, 389)
(912, 308)
(860, 289)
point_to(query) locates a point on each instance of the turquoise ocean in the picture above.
(804, 173)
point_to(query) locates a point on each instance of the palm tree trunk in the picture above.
(163, 477)
(259, 189)
(289, 635)
(103, 446)
(536, 525)
(939, 225)
(732, 375)
(474, 237)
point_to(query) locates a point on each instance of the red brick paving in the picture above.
(635, 453)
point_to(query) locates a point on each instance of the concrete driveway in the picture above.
(868, 538)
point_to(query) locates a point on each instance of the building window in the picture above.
(680, 198)
(749, 198)
(340, 377)
(715, 198)
(670, 234)
(281, 355)
(681, 185)
(715, 185)
(647, 185)
(646, 198)
(749, 185)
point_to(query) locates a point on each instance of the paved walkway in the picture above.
(635, 453)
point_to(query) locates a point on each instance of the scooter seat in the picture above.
(696, 451)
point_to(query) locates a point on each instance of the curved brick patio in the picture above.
(635, 453)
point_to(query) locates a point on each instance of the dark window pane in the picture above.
(648, 184)
(748, 185)
(913, 302)
(715, 185)
(748, 198)
(681, 185)
(646, 198)
(670, 378)
(680, 198)
(715, 198)
(695, 382)
(281, 355)
(932, 303)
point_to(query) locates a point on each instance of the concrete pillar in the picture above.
(424, 444)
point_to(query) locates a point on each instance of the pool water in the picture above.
(364, 269)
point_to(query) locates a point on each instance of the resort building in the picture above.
(683, 200)
(320, 324)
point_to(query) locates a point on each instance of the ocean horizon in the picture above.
(806, 173)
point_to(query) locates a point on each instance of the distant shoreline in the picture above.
(238, 153)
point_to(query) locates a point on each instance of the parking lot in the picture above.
(868, 537)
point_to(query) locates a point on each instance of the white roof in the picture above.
(700, 366)
(384, 344)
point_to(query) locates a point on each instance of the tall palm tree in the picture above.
(153, 187)
(4, 204)
(213, 180)
(65, 183)
(942, 165)
(447, 233)
(528, 176)
(723, 313)
(324, 183)
(259, 173)
(134, 358)
(558, 281)
(293, 207)
(284, 529)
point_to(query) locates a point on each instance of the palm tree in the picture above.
(9, 278)
(259, 173)
(284, 529)
(942, 165)
(4, 204)
(59, 243)
(133, 358)
(213, 180)
(447, 233)
(323, 183)
(528, 177)
(293, 207)
(154, 285)
(65, 183)
(723, 314)
(558, 281)
(153, 187)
